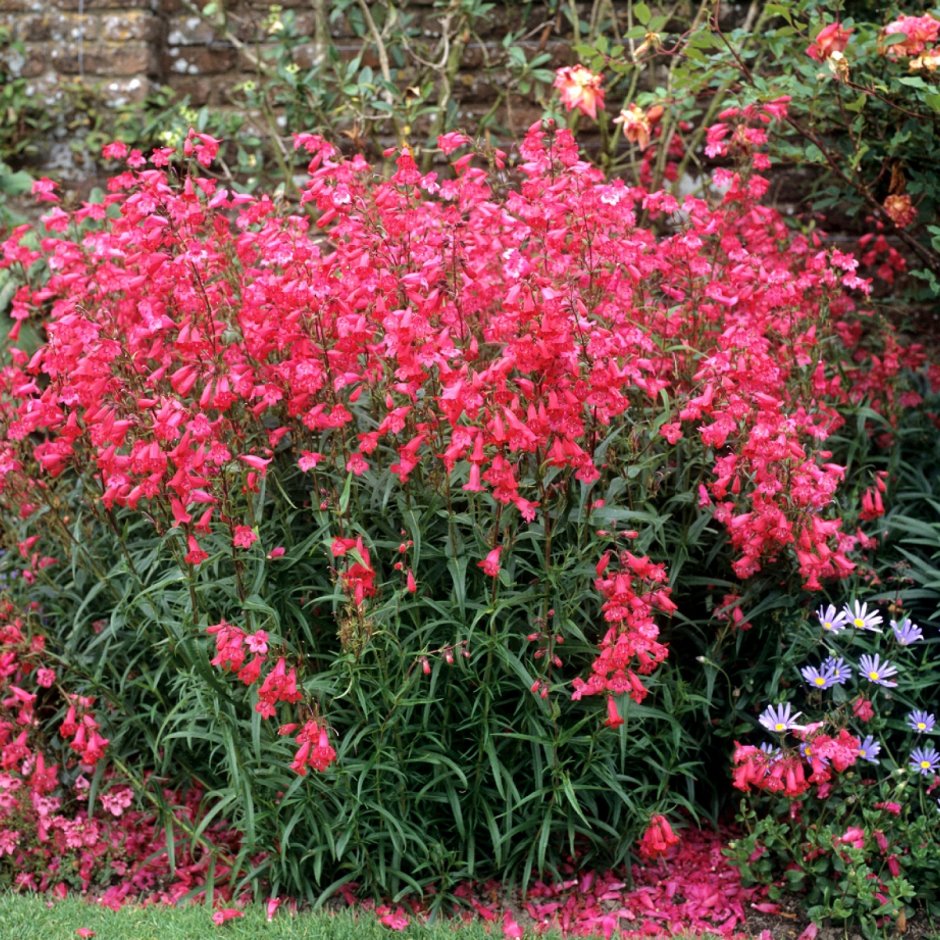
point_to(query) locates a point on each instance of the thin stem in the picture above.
(384, 66)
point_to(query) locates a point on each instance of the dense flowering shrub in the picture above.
(390, 487)
(850, 800)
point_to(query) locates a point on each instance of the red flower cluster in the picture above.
(315, 749)
(233, 647)
(20, 664)
(82, 728)
(280, 685)
(784, 771)
(657, 839)
(358, 578)
(631, 596)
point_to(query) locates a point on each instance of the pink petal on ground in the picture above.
(767, 907)
(271, 907)
(394, 919)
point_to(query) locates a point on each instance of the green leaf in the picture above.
(517, 56)
(779, 9)
(15, 184)
(642, 13)
(893, 39)
(856, 104)
(344, 496)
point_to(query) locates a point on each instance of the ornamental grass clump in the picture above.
(371, 515)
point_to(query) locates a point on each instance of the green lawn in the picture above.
(28, 917)
(35, 918)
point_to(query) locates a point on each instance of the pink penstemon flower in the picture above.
(225, 914)
(244, 536)
(658, 838)
(490, 564)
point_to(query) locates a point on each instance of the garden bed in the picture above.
(430, 531)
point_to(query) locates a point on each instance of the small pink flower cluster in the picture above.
(657, 839)
(80, 725)
(784, 771)
(876, 253)
(315, 748)
(20, 664)
(358, 577)
(743, 131)
(629, 648)
(280, 684)
(233, 646)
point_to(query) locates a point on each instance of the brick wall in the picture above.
(114, 42)
(126, 49)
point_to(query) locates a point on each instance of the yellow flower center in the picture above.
(819, 680)
(925, 764)
(827, 625)
(921, 726)
(859, 622)
(873, 676)
(780, 726)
